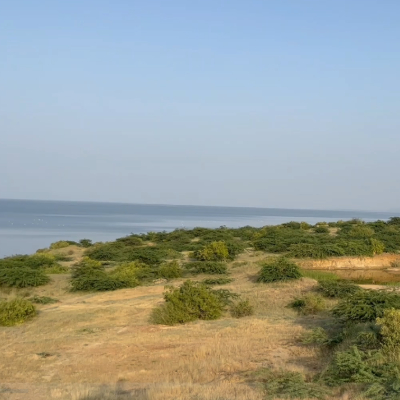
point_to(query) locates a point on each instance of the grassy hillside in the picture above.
(201, 314)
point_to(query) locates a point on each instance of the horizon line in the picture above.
(197, 205)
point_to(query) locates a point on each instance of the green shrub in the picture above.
(86, 266)
(43, 300)
(61, 244)
(390, 330)
(321, 229)
(280, 269)
(337, 289)
(35, 261)
(207, 267)
(170, 270)
(22, 277)
(225, 296)
(130, 273)
(90, 275)
(123, 251)
(242, 309)
(215, 251)
(217, 281)
(16, 311)
(187, 303)
(375, 376)
(98, 282)
(288, 385)
(85, 243)
(315, 250)
(316, 336)
(308, 304)
(366, 305)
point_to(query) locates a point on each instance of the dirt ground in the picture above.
(88, 340)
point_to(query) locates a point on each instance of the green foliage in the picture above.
(289, 385)
(98, 282)
(59, 245)
(242, 309)
(16, 311)
(214, 251)
(337, 289)
(170, 270)
(22, 277)
(90, 275)
(316, 336)
(366, 305)
(217, 281)
(377, 377)
(361, 232)
(124, 251)
(390, 330)
(86, 266)
(43, 300)
(187, 303)
(85, 243)
(308, 304)
(314, 250)
(130, 273)
(280, 269)
(207, 267)
(35, 261)
(321, 229)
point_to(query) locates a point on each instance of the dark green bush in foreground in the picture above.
(190, 302)
(366, 305)
(16, 311)
(337, 289)
(207, 267)
(22, 277)
(280, 269)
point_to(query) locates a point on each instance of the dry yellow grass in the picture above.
(88, 340)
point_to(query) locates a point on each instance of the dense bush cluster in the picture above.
(187, 303)
(280, 269)
(27, 271)
(16, 311)
(206, 267)
(351, 238)
(366, 305)
(90, 275)
(337, 288)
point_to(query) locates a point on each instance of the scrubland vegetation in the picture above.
(349, 334)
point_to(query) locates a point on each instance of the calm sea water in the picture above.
(27, 225)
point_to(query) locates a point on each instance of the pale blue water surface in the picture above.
(26, 225)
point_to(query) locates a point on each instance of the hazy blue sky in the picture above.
(280, 103)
